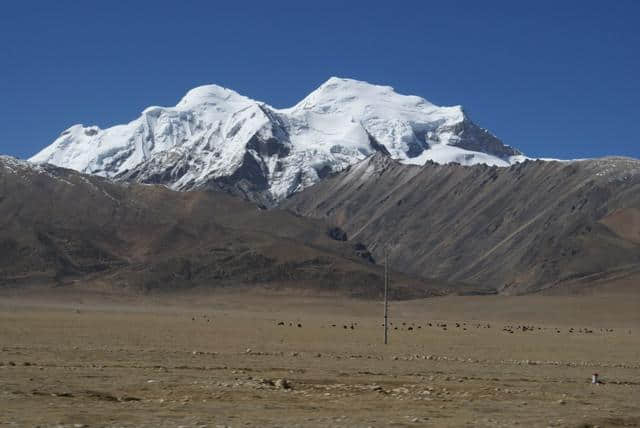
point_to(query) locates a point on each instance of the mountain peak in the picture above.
(335, 82)
(210, 94)
(215, 137)
(338, 92)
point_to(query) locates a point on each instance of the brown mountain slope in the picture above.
(526, 228)
(60, 227)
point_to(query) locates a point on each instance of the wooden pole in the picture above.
(386, 292)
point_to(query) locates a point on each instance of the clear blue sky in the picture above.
(553, 78)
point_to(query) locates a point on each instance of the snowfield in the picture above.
(215, 136)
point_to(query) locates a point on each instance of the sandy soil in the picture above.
(220, 360)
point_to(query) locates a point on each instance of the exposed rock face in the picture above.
(476, 139)
(526, 228)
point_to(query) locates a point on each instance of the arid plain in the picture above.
(251, 358)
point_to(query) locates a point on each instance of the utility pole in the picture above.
(386, 292)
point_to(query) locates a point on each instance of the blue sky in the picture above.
(553, 78)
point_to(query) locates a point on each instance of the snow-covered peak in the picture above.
(212, 95)
(405, 125)
(217, 137)
(362, 98)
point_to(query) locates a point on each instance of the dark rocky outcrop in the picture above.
(337, 234)
(472, 137)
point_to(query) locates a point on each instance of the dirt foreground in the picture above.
(231, 360)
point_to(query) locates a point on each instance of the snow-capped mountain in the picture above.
(215, 137)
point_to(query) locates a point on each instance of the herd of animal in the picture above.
(464, 326)
(445, 326)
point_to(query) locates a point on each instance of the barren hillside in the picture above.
(59, 227)
(526, 228)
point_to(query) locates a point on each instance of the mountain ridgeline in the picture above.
(215, 138)
(527, 228)
(351, 169)
(59, 227)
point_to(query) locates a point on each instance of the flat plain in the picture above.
(70, 358)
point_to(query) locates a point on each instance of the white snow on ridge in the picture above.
(211, 130)
(443, 154)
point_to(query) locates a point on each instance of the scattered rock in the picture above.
(282, 384)
(337, 234)
(128, 398)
